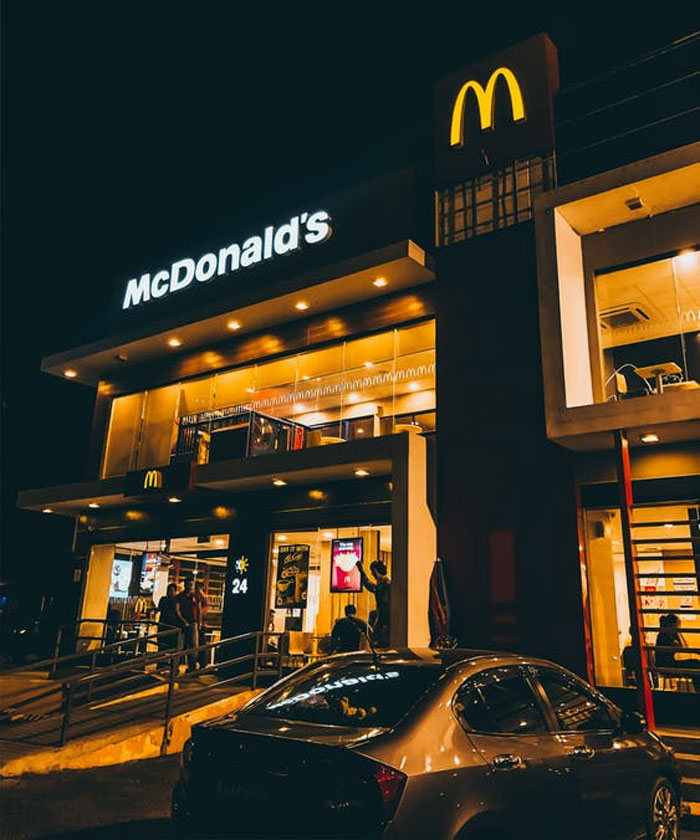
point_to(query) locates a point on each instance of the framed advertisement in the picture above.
(292, 576)
(149, 567)
(346, 553)
(121, 578)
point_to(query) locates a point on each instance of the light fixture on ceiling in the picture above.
(414, 386)
(305, 377)
(282, 537)
(219, 541)
(650, 437)
(69, 373)
(279, 482)
(174, 500)
(174, 342)
(353, 398)
(668, 525)
(250, 390)
(93, 505)
(327, 535)
(301, 305)
(361, 473)
(47, 510)
(380, 282)
(688, 259)
(233, 325)
(369, 364)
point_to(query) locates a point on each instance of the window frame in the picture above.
(523, 672)
(583, 688)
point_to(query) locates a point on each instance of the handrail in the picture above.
(85, 686)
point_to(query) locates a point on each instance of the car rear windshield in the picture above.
(353, 694)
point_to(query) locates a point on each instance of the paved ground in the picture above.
(127, 802)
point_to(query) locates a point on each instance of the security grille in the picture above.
(493, 201)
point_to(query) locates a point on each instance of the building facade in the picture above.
(435, 363)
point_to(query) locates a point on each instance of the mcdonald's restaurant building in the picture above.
(434, 363)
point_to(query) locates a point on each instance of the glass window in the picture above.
(575, 709)
(666, 573)
(360, 694)
(648, 318)
(159, 427)
(122, 438)
(499, 701)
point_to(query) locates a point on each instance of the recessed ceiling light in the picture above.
(688, 259)
(279, 482)
(282, 537)
(250, 390)
(668, 525)
(174, 500)
(301, 305)
(369, 364)
(174, 342)
(327, 535)
(360, 431)
(414, 386)
(360, 473)
(70, 373)
(380, 282)
(233, 325)
(219, 541)
(93, 505)
(47, 510)
(353, 398)
(651, 437)
(305, 377)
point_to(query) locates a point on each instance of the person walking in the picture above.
(348, 632)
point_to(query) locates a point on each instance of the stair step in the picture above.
(685, 742)
(691, 789)
(689, 765)
(691, 822)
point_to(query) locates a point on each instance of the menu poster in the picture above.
(148, 572)
(345, 555)
(292, 576)
(121, 578)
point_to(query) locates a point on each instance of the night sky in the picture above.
(132, 130)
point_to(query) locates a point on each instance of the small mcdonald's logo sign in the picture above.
(153, 480)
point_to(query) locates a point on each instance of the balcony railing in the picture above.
(242, 432)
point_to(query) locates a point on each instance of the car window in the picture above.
(349, 694)
(499, 700)
(575, 709)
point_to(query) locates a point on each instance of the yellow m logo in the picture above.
(486, 102)
(153, 479)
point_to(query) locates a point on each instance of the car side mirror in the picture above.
(632, 722)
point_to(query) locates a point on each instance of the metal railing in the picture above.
(87, 696)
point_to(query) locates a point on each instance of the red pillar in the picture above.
(624, 485)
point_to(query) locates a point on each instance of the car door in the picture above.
(528, 768)
(611, 769)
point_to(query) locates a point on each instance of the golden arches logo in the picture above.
(486, 100)
(153, 480)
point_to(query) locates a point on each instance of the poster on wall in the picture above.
(686, 584)
(345, 555)
(149, 566)
(292, 576)
(121, 578)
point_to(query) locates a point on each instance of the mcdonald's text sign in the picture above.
(496, 111)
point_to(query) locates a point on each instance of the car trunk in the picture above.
(285, 779)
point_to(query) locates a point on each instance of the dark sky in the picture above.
(131, 129)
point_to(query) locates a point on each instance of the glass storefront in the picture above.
(667, 542)
(648, 318)
(127, 580)
(313, 577)
(353, 389)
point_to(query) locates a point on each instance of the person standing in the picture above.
(170, 618)
(348, 632)
(188, 603)
(200, 608)
(381, 586)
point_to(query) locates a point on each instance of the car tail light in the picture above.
(391, 784)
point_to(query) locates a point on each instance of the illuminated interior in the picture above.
(366, 387)
(309, 626)
(648, 318)
(666, 539)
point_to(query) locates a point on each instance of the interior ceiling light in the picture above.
(327, 535)
(174, 500)
(174, 342)
(93, 505)
(70, 373)
(353, 398)
(305, 377)
(369, 364)
(380, 282)
(361, 473)
(279, 482)
(668, 525)
(301, 305)
(414, 386)
(250, 390)
(219, 541)
(47, 510)
(282, 537)
(233, 325)
(650, 437)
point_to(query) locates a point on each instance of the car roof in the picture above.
(443, 658)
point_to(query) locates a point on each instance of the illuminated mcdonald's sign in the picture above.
(153, 480)
(486, 100)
